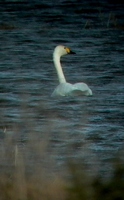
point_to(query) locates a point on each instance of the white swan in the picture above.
(64, 88)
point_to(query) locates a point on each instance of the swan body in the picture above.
(64, 88)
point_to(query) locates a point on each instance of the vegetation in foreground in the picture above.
(22, 179)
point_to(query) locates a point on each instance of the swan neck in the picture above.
(61, 77)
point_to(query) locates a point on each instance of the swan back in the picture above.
(67, 89)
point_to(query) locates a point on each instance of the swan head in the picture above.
(62, 50)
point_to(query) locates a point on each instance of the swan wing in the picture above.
(83, 89)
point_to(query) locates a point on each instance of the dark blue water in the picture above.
(81, 127)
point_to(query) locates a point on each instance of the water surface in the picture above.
(80, 127)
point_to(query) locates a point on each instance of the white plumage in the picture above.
(64, 88)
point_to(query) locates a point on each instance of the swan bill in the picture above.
(69, 51)
(72, 52)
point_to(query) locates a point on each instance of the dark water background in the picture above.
(90, 126)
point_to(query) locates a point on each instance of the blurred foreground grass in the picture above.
(22, 179)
